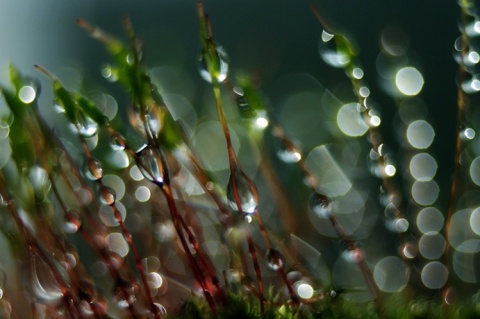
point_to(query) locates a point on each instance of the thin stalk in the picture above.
(129, 238)
(256, 266)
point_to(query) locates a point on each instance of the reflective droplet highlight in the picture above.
(320, 205)
(275, 259)
(409, 81)
(73, 221)
(242, 194)
(93, 169)
(150, 164)
(107, 196)
(329, 52)
(221, 70)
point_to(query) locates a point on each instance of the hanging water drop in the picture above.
(93, 169)
(107, 196)
(124, 294)
(243, 107)
(320, 205)
(149, 161)
(288, 151)
(73, 221)
(86, 126)
(43, 283)
(109, 73)
(330, 53)
(117, 142)
(275, 259)
(148, 124)
(57, 106)
(241, 191)
(220, 65)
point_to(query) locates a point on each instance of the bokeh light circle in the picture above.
(391, 274)
(434, 275)
(423, 167)
(432, 245)
(429, 219)
(425, 193)
(349, 120)
(420, 134)
(409, 81)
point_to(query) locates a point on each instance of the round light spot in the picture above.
(409, 81)
(429, 219)
(27, 94)
(434, 275)
(364, 91)
(475, 171)
(475, 220)
(391, 274)
(304, 290)
(461, 235)
(349, 120)
(135, 173)
(142, 194)
(390, 170)
(117, 244)
(420, 134)
(425, 193)
(432, 245)
(423, 167)
(357, 73)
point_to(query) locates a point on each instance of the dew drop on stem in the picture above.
(288, 152)
(220, 65)
(44, 286)
(275, 259)
(117, 143)
(242, 194)
(107, 196)
(329, 52)
(150, 163)
(86, 126)
(124, 294)
(73, 221)
(93, 169)
(320, 205)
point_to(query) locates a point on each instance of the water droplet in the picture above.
(467, 133)
(124, 294)
(160, 309)
(288, 151)
(242, 191)
(242, 103)
(109, 73)
(107, 196)
(329, 52)
(93, 169)
(275, 259)
(221, 70)
(371, 117)
(117, 142)
(42, 282)
(357, 73)
(73, 221)
(150, 163)
(85, 126)
(320, 205)
(152, 120)
(58, 107)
